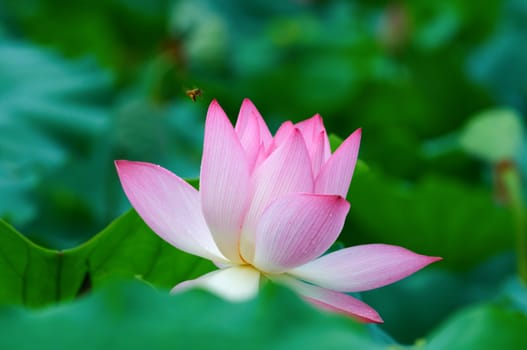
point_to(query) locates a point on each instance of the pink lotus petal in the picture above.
(335, 176)
(362, 267)
(282, 134)
(236, 283)
(317, 141)
(331, 300)
(286, 170)
(224, 182)
(265, 135)
(169, 205)
(311, 127)
(327, 147)
(252, 131)
(297, 228)
(319, 152)
(261, 156)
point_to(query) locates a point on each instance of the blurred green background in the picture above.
(85, 82)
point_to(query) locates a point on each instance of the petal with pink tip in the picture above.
(362, 267)
(316, 139)
(335, 176)
(286, 170)
(169, 205)
(319, 153)
(282, 134)
(224, 182)
(311, 127)
(249, 118)
(297, 228)
(236, 283)
(331, 300)
(265, 135)
(327, 147)
(252, 131)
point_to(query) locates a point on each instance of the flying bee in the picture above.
(193, 93)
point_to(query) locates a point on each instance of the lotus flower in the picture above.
(268, 207)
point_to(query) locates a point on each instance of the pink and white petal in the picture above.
(169, 206)
(249, 118)
(331, 300)
(260, 157)
(297, 228)
(282, 135)
(248, 132)
(224, 182)
(362, 267)
(236, 283)
(335, 175)
(318, 154)
(286, 170)
(327, 147)
(266, 137)
(252, 131)
(311, 128)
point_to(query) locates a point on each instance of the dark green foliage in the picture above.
(135, 316)
(127, 249)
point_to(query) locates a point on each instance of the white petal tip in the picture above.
(235, 284)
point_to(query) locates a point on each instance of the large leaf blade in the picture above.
(134, 316)
(126, 249)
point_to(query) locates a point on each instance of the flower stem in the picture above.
(511, 180)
